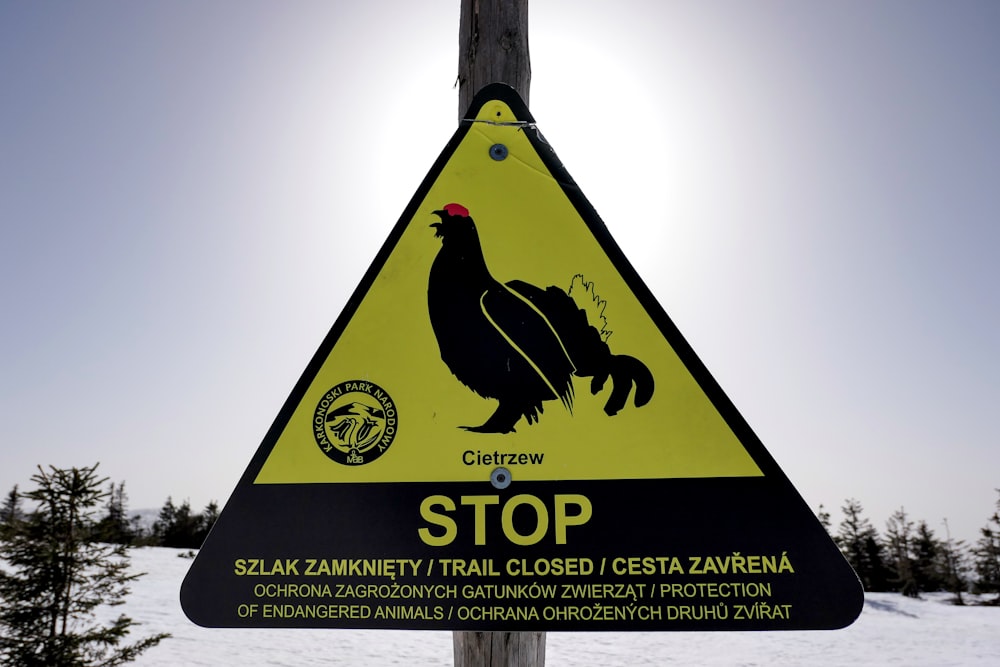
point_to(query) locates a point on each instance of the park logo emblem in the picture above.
(355, 422)
(504, 430)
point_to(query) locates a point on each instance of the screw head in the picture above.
(500, 478)
(498, 152)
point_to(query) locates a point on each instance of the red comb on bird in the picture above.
(457, 210)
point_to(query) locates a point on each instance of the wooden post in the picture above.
(499, 649)
(493, 47)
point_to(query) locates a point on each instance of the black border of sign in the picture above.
(829, 610)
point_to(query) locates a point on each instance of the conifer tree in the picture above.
(185, 528)
(206, 520)
(986, 554)
(824, 520)
(928, 560)
(58, 576)
(955, 565)
(114, 526)
(860, 544)
(899, 534)
(177, 527)
(10, 511)
(164, 521)
(880, 573)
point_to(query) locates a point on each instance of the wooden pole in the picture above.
(493, 47)
(499, 649)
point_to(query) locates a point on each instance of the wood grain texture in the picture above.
(499, 649)
(493, 47)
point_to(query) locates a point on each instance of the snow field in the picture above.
(892, 630)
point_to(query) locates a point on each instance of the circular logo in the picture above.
(355, 422)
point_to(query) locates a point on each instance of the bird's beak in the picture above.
(437, 225)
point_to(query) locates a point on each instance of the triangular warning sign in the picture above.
(504, 431)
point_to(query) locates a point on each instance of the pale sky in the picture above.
(190, 191)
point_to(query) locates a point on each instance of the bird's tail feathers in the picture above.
(587, 349)
(584, 294)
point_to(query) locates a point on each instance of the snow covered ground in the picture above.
(892, 630)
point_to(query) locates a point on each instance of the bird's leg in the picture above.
(502, 420)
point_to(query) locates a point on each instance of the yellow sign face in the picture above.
(498, 327)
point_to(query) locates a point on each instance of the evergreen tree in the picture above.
(860, 544)
(955, 565)
(10, 511)
(848, 533)
(114, 526)
(824, 520)
(899, 533)
(164, 521)
(140, 535)
(60, 576)
(929, 572)
(986, 554)
(185, 528)
(207, 519)
(177, 527)
(880, 574)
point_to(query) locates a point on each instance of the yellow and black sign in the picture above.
(504, 431)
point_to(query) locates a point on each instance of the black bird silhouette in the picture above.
(355, 422)
(515, 342)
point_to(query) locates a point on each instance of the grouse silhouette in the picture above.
(516, 342)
